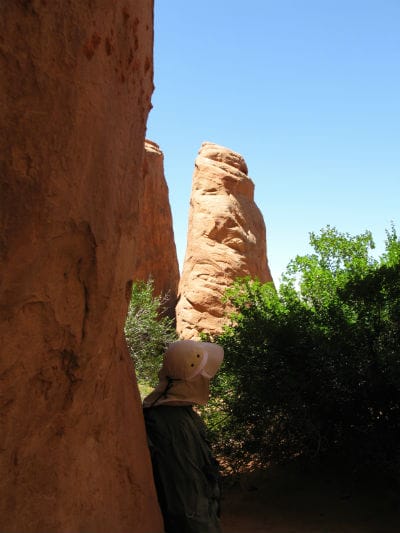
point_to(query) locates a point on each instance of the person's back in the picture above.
(185, 472)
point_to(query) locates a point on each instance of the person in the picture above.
(185, 472)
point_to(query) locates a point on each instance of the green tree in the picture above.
(148, 331)
(314, 368)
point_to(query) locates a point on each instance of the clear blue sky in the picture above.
(308, 91)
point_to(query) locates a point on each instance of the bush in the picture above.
(313, 369)
(147, 332)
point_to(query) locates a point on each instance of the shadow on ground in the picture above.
(293, 500)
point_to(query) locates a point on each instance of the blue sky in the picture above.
(307, 91)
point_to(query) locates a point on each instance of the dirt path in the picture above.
(288, 501)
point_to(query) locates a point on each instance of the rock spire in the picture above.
(226, 239)
(156, 256)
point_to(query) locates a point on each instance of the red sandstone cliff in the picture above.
(76, 80)
(156, 251)
(226, 239)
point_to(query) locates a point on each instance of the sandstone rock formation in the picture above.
(156, 251)
(76, 81)
(226, 239)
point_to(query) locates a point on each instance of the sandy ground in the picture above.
(287, 500)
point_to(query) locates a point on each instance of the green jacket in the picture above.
(185, 472)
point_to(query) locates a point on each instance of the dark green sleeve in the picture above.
(185, 473)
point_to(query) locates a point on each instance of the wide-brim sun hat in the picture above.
(187, 359)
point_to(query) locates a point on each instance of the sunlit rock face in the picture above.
(76, 80)
(226, 239)
(156, 256)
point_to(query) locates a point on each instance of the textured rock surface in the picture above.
(76, 80)
(226, 239)
(156, 251)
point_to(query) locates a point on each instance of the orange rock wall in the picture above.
(76, 81)
(156, 251)
(226, 239)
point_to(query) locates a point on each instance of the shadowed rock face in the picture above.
(226, 239)
(76, 82)
(156, 257)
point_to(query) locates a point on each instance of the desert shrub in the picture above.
(313, 369)
(148, 331)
